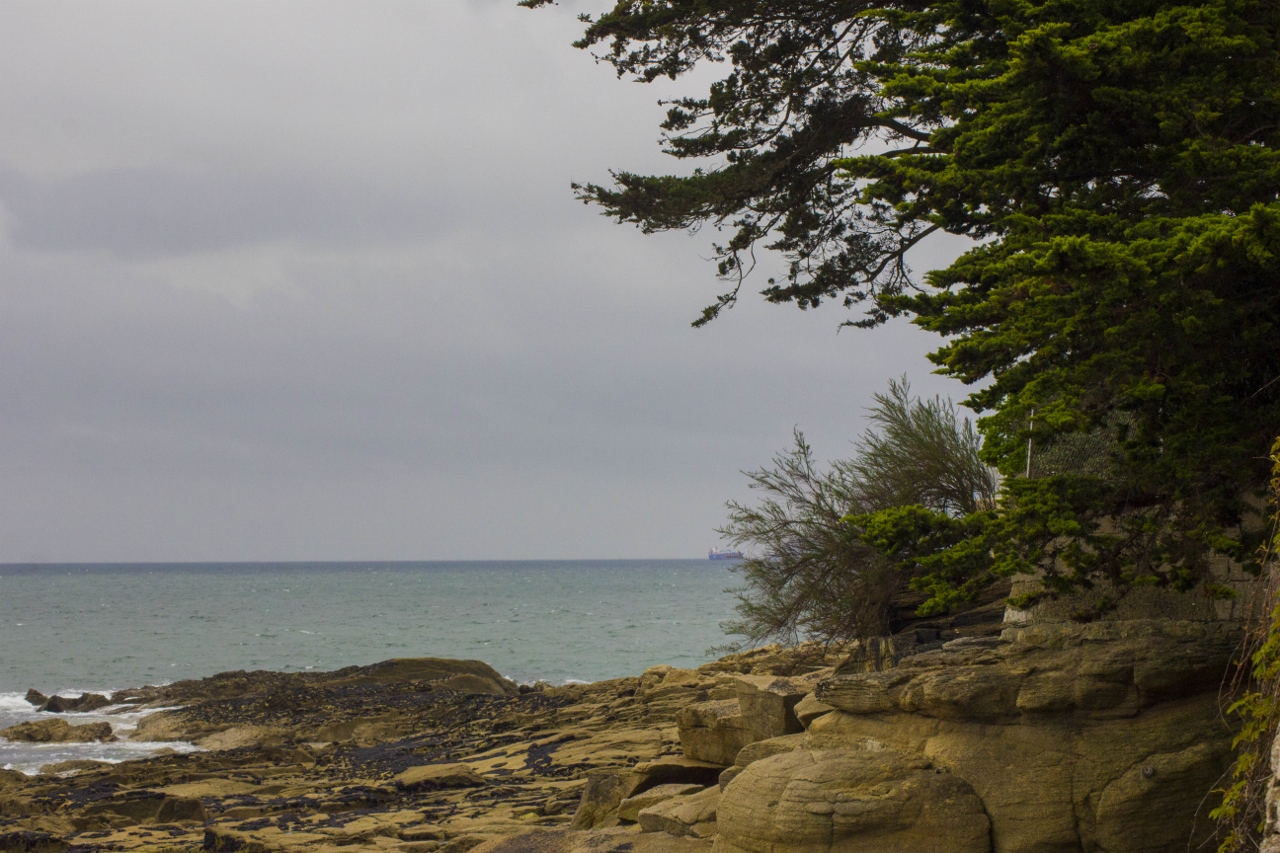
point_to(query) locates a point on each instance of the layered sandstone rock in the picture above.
(761, 707)
(1105, 737)
(1041, 738)
(858, 800)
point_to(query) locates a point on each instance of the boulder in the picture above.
(764, 707)
(58, 731)
(850, 801)
(691, 815)
(714, 731)
(35, 697)
(753, 752)
(604, 792)
(430, 777)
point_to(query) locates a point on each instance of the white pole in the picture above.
(1031, 425)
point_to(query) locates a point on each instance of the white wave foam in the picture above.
(14, 703)
(28, 758)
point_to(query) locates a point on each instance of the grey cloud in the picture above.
(141, 213)
(329, 297)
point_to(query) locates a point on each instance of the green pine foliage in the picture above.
(1116, 163)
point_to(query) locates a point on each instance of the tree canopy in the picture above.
(1116, 163)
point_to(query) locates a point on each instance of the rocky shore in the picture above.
(970, 736)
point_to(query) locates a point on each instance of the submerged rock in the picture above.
(83, 703)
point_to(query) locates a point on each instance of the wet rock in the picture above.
(70, 767)
(58, 731)
(74, 704)
(35, 697)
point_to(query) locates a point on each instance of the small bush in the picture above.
(807, 572)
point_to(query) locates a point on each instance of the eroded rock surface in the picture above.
(1099, 737)
(1038, 738)
(409, 756)
(860, 800)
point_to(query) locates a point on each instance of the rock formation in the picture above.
(58, 731)
(974, 736)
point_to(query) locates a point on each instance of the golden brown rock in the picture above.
(691, 815)
(850, 801)
(630, 808)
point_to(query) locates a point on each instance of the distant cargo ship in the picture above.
(723, 554)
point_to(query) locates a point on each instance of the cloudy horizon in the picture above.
(305, 280)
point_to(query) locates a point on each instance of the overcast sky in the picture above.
(305, 280)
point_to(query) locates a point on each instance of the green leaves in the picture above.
(812, 568)
(1119, 163)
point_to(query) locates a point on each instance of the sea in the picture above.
(72, 628)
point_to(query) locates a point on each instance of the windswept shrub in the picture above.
(807, 572)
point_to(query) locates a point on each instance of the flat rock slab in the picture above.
(435, 776)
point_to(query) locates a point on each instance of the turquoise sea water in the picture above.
(101, 627)
(72, 628)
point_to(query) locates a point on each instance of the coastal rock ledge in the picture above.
(1048, 737)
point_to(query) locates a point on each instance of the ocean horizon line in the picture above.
(297, 563)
